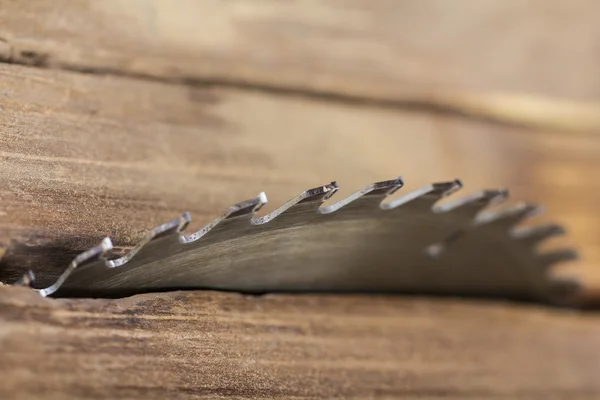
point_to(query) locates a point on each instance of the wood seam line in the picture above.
(517, 109)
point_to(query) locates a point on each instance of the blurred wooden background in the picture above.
(116, 116)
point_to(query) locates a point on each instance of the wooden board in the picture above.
(217, 345)
(361, 46)
(485, 58)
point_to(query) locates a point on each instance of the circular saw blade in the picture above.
(359, 244)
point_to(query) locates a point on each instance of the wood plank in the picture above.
(429, 53)
(84, 156)
(218, 345)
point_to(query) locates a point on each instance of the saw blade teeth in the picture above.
(94, 253)
(87, 257)
(247, 208)
(510, 216)
(168, 228)
(318, 194)
(309, 199)
(533, 235)
(373, 193)
(243, 210)
(427, 195)
(383, 188)
(443, 189)
(26, 280)
(470, 206)
(548, 259)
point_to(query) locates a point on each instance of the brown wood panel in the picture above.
(217, 345)
(428, 51)
(84, 156)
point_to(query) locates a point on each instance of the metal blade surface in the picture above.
(359, 244)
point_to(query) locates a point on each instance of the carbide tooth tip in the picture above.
(385, 187)
(491, 196)
(248, 207)
(184, 221)
(174, 225)
(511, 215)
(445, 188)
(187, 217)
(262, 197)
(321, 193)
(106, 244)
(94, 253)
(331, 189)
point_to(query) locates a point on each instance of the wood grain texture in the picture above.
(403, 51)
(216, 345)
(84, 156)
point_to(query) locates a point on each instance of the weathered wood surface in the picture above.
(84, 156)
(209, 345)
(544, 47)
(428, 53)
